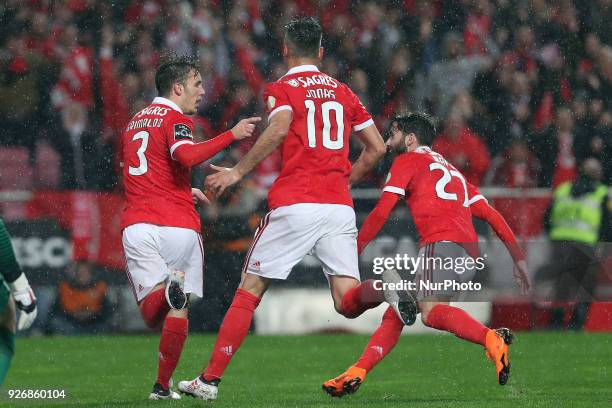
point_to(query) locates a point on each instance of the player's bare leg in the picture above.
(233, 331)
(437, 313)
(351, 297)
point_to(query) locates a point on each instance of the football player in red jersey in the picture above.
(161, 228)
(311, 117)
(442, 204)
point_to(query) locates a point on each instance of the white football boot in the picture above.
(175, 290)
(200, 389)
(400, 300)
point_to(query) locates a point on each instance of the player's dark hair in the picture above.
(421, 124)
(303, 37)
(173, 69)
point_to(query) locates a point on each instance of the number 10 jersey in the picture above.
(315, 153)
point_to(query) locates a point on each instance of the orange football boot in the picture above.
(346, 383)
(496, 345)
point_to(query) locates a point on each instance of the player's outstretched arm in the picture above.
(374, 149)
(269, 140)
(376, 219)
(191, 154)
(481, 209)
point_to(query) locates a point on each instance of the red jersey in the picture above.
(437, 194)
(315, 163)
(158, 188)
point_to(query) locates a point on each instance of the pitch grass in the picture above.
(549, 370)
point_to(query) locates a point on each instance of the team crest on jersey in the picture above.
(293, 82)
(271, 102)
(182, 131)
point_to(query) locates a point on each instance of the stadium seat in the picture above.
(47, 168)
(15, 170)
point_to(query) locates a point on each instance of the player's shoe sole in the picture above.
(346, 383)
(175, 294)
(199, 389)
(497, 346)
(400, 300)
(158, 393)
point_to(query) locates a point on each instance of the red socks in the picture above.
(382, 341)
(361, 298)
(171, 344)
(232, 332)
(154, 308)
(458, 322)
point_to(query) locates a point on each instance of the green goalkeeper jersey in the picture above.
(9, 268)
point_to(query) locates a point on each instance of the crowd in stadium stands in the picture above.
(521, 89)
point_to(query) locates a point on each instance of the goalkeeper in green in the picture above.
(15, 293)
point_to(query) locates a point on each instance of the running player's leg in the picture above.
(351, 297)
(236, 324)
(440, 315)
(147, 272)
(379, 346)
(151, 277)
(284, 236)
(337, 251)
(8, 323)
(154, 307)
(182, 252)
(437, 313)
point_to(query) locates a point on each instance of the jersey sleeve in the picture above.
(473, 194)
(360, 118)
(178, 130)
(276, 99)
(399, 176)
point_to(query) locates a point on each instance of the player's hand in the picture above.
(224, 178)
(245, 127)
(521, 274)
(199, 197)
(25, 301)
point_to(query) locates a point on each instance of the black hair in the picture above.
(303, 37)
(421, 124)
(173, 69)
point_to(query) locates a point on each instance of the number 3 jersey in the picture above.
(437, 194)
(157, 188)
(315, 162)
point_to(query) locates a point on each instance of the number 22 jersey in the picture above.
(315, 162)
(437, 195)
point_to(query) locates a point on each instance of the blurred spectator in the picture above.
(21, 91)
(82, 305)
(462, 148)
(455, 73)
(506, 65)
(555, 148)
(516, 168)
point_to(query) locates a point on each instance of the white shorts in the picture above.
(152, 252)
(287, 234)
